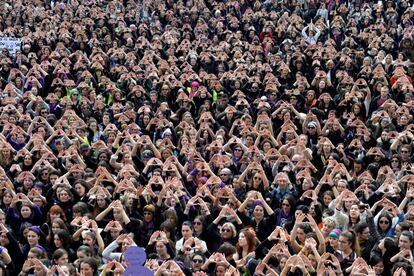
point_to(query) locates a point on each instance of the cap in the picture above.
(312, 124)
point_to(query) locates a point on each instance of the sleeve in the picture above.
(341, 219)
(108, 253)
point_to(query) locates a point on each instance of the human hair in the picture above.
(86, 250)
(39, 253)
(250, 236)
(386, 215)
(92, 262)
(351, 237)
(232, 227)
(58, 254)
(292, 202)
(227, 249)
(360, 227)
(80, 207)
(56, 209)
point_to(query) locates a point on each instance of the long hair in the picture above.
(250, 236)
(352, 238)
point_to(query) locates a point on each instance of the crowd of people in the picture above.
(234, 137)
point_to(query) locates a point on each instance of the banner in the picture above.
(10, 43)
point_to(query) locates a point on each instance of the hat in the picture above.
(166, 132)
(263, 98)
(335, 233)
(195, 84)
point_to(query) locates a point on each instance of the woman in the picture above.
(159, 247)
(348, 249)
(286, 214)
(88, 266)
(405, 244)
(62, 240)
(187, 234)
(246, 247)
(9, 241)
(28, 212)
(60, 257)
(197, 261)
(33, 237)
(385, 249)
(260, 221)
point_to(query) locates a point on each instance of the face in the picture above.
(26, 212)
(7, 198)
(365, 234)
(148, 216)
(383, 223)
(88, 240)
(197, 263)
(100, 200)
(327, 227)
(354, 211)
(379, 268)
(4, 240)
(186, 232)
(57, 241)
(86, 269)
(226, 232)
(32, 238)
(404, 242)
(301, 235)
(343, 243)
(242, 240)
(55, 227)
(286, 206)
(258, 212)
(220, 270)
(64, 196)
(161, 248)
(80, 189)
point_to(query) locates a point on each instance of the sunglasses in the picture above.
(257, 178)
(237, 150)
(198, 261)
(395, 161)
(197, 223)
(384, 222)
(225, 230)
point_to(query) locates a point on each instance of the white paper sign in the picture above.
(10, 43)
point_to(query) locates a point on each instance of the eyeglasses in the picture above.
(197, 222)
(384, 222)
(198, 261)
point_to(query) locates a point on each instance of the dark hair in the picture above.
(64, 237)
(92, 262)
(386, 215)
(227, 249)
(359, 227)
(58, 254)
(292, 202)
